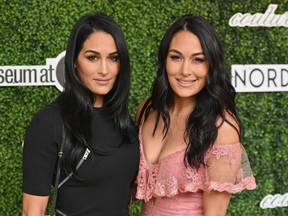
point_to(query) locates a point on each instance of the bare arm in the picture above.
(215, 203)
(34, 205)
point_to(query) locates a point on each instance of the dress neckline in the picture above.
(151, 165)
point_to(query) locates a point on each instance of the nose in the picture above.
(186, 69)
(103, 70)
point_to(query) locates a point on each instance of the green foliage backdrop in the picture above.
(33, 30)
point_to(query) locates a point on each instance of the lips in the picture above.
(102, 81)
(186, 83)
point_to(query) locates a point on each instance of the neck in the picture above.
(182, 107)
(98, 101)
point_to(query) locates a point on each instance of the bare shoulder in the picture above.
(140, 107)
(227, 134)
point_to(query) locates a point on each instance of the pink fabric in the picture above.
(227, 169)
(184, 204)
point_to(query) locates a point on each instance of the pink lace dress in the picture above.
(171, 188)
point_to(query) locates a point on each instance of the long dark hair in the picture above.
(216, 98)
(77, 101)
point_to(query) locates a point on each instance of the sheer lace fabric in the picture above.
(227, 169)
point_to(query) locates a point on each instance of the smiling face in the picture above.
(98, 64)
(186, 65)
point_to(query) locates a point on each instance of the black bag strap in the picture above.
(57, 184)
(87, 152)
(60, 154)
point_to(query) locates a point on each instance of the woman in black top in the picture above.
(92, 112)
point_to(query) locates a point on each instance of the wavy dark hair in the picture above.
(216, 98)
(77, 101)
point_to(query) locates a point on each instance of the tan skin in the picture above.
(187, 69)
(98, 66)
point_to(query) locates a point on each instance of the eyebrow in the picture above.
(194, 54)
(95, 52)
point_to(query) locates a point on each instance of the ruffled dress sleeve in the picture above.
(228, 169)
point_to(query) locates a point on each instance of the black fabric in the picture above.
(103, 187)
(58, 172)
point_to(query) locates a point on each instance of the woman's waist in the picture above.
(182, 201)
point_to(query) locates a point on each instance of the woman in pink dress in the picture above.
(192, 158)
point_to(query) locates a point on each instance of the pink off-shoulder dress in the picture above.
(171, 188)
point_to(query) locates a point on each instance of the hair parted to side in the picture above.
(85, 26)
(216, 98)
(76, 101)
